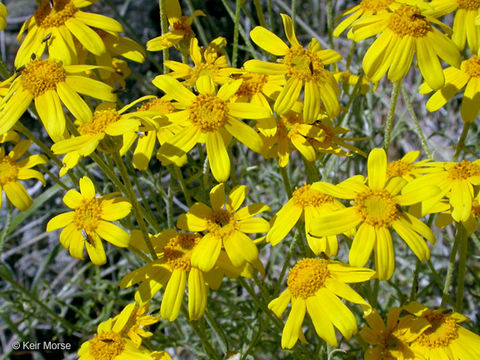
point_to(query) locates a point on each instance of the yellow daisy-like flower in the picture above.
(180, 28)
(90, 221)
(365, 9)
(226, 226)
(408, 169)
(131, 322)
(111, 345)
(391, 341)
(12, 169)
(307, 203)
(304, 69)
(457, 182)
(49, 84)
(314, 286)
(405, 32)
(375, 209)
(3, 16)
(207, 61)
(172, 269)
(467, 76)
(210, 118)
(445, 339)
(465, 29)
(258, 88)
(59, 23)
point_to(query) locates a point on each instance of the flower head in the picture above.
(376, 207)
(226, 226)
(90, 221)
(12, 169)
(304, 69)
(132, 322)
(314, 286)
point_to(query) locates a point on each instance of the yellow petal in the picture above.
(362, 246)
(86, 36)
(294, 323)
(384, 255)
(290, 30)
(284, 221)
(174, 89)
(99, 21)
(245, 134)
(335, 223)
(18, 195)
(173, 296)
(51, 113)
(218, 156)
(197, 294)
(91, 87)
(288, 96)
(321, 320)
(113, 234)
(377, 168)
(60, 221)
(206, 253)
(268, 41)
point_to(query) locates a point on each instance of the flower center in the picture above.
(8, 170)
(408, 20)
(304, 65)
(305, 196)
(307, 277)
(159, 105)
(47, 16)
(472, 66)
(375, 5)
(40, 76)
(252, 84)
(377, 207)
(398, 168)
(98, 125)
(200, 69)
(88, 214)
(468, 4)
(208, 112)
(107, 345)
(221, 223)
(178, 251)
(442, 332)
(463, 170)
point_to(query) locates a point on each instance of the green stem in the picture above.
(164, 28)
(423, 140)
(391, 115)
(137, 211)
(330, 23)
(448, 277)
(260, 16)
(413, 292)
(177, 173)
(286, 181)
(148, 212)
(294, 11)
(236, 26)
(198, 25)
(461, 141)
(107, 170)
(462, 239)
(218, 329)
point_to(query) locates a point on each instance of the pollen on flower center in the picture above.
(377, 207)
(307, 277)
(398, 168)
(8, 170)
(159, 105)
(442, 332)
(88, 214)
(468, 4)
(305, 196)
(375, 5)
(304, 65)
(219, 218)
(472, 66)
(408, 20)
(40, 76)
(208, 112)
(463, 170)
(107, 345)
(252, 84)
(177, 252)
(47, 16)
(98, 125)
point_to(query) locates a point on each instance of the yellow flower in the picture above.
(304, 68)
(172, 269)
(180, 28)
(467, 76)
(470, 225)
(391, 341)
(49, 84)
(207, 61)
(408, 169)
(365, 9)
(131, 322)
(375, 209)
(258, 88)
(89, 221)
(103, 127)
(3, 16)
(445, 339)
(111, 345)
(58, 23)
(457, 182)
(226, 226)
(405, 32)
(314, 286)
(209, 118)
(307, 203)
(465, 30)
(13, 169)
